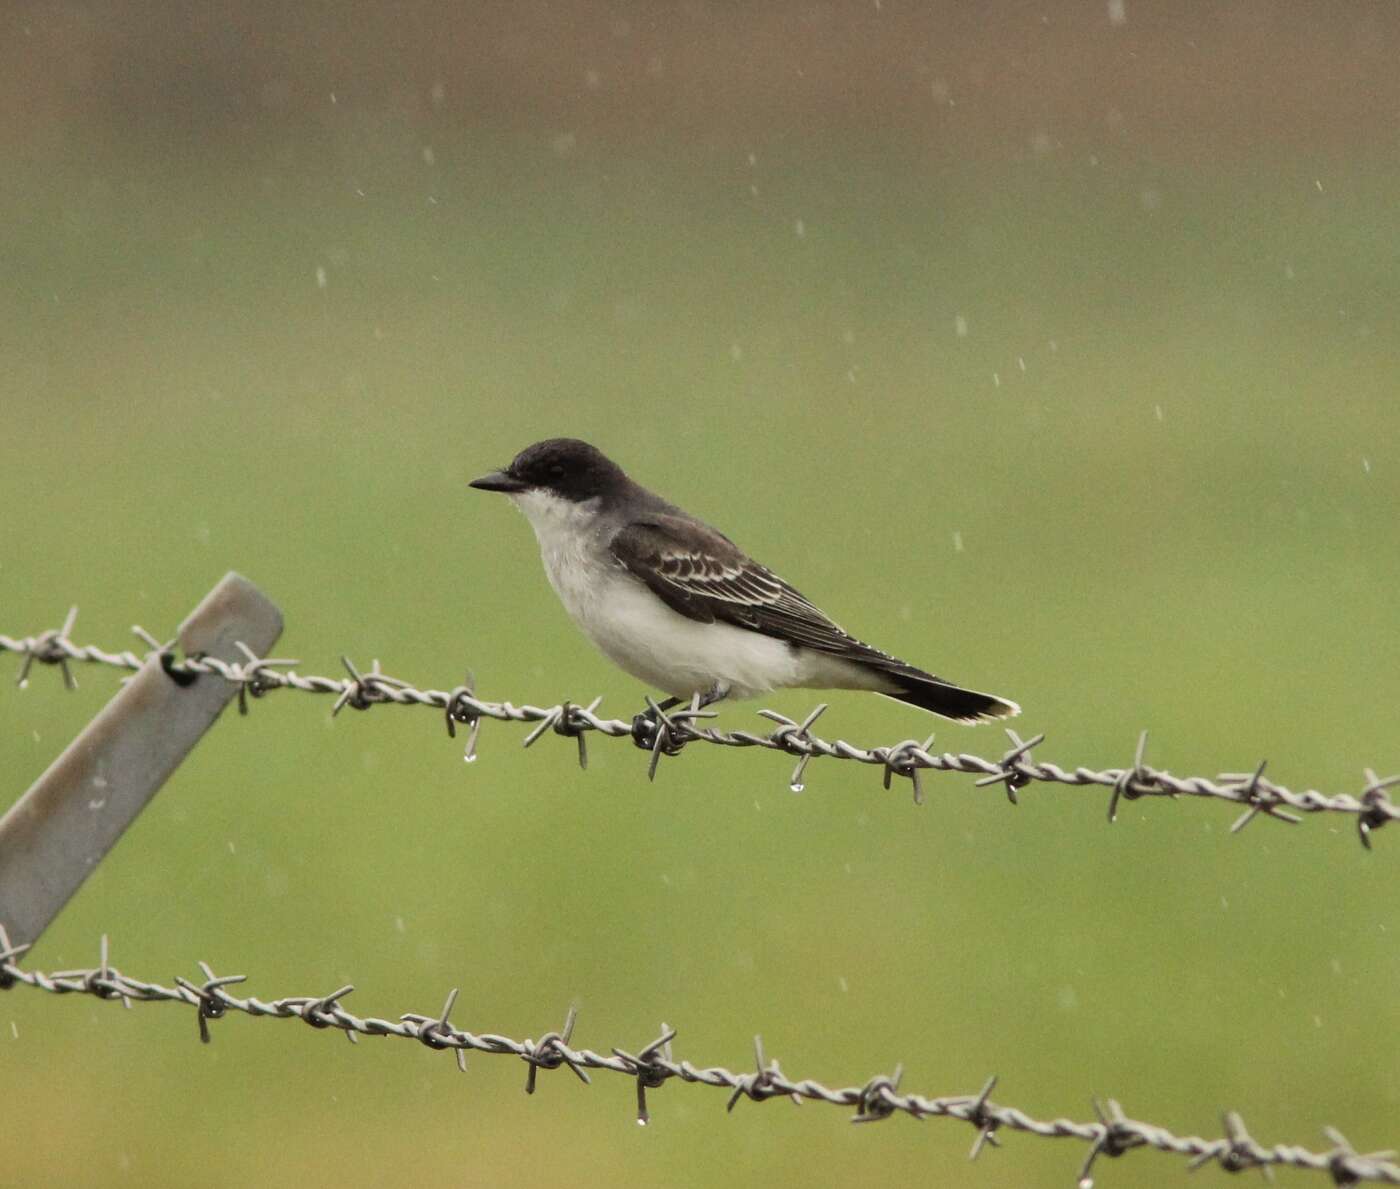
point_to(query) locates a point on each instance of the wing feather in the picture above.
(704, 576)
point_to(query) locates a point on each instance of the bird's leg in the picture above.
(716, 693)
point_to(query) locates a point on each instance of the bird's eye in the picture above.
(556, 471)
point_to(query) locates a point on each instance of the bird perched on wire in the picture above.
(678, 605)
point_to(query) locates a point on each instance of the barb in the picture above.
(660, 733)
(1112, 1134)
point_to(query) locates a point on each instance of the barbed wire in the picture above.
(660, 732)
(1111, 1134)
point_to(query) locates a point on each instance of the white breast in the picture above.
(575, 558)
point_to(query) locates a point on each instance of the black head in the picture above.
(564, 467)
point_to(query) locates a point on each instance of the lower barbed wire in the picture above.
(1111, 1135)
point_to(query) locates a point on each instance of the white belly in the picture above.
(681, 656)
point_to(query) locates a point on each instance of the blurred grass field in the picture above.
(1104, 424)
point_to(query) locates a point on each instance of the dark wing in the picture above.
(703, 575)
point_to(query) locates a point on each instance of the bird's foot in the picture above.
(652, 730)
(655, 731)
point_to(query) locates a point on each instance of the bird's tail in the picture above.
(951, 701)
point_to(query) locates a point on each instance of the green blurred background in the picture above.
(1052, 347)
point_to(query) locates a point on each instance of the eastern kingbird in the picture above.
(680, 606)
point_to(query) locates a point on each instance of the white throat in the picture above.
(558, 523)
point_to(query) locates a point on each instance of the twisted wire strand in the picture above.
(664, 734)
(1111, 1134)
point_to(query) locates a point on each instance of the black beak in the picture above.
(497, 481)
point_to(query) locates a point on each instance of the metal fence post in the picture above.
(55, 835)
